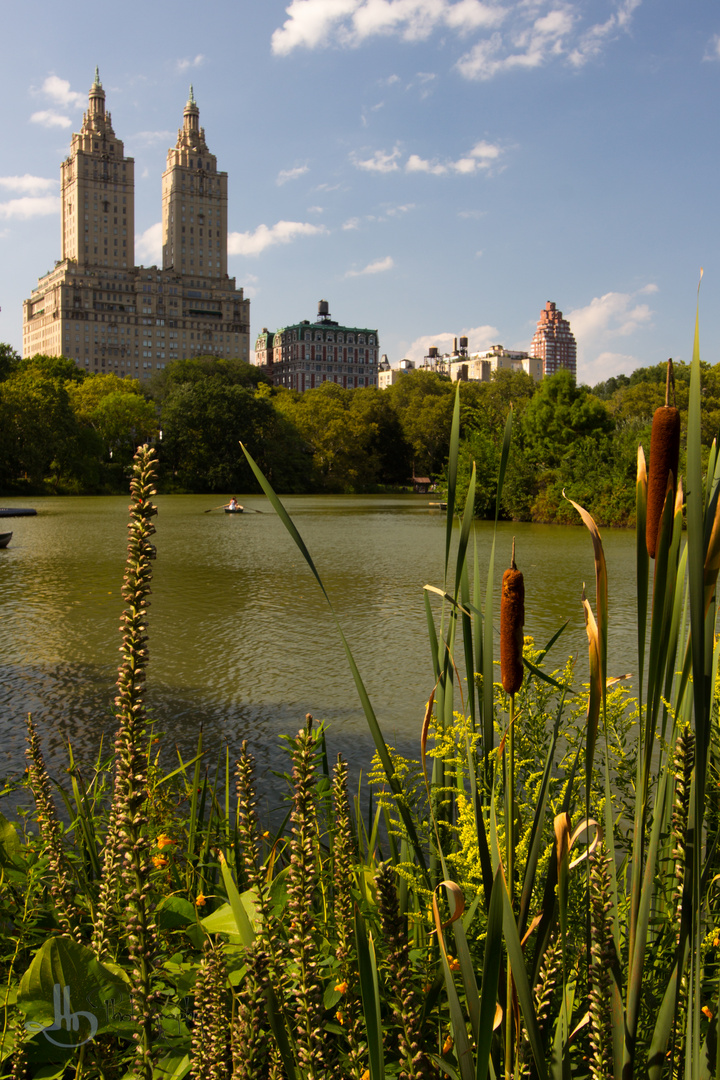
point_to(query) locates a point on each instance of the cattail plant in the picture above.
(60, 873)
(512, 620)
(310, 1043)
(664, 458)
(127, 860)
(405, 1001)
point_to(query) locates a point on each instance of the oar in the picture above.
(252, 510)
(216, 508)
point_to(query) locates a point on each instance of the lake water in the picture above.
(241, 640)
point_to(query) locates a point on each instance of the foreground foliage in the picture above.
(536, 896)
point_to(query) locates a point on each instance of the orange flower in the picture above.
(448, 1045)
(707, 1012)
(341, 987)
(453, 964)
(340, 1017)
(200, 901)
(164, 840)
(159, 861)
(365, 1075)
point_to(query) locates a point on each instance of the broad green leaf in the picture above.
(69, 995)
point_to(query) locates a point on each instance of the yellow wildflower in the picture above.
(448, 1045)
(164, 840)
(341, 987)
(159, 861)
(200, 900)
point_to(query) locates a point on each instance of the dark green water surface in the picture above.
(241, 640)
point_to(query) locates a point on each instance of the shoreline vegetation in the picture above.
(65, 432)
(535, 896)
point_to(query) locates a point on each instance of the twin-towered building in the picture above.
(100, 309)
(304, 355)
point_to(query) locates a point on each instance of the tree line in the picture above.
(65, 431)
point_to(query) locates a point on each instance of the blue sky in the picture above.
(430, 167)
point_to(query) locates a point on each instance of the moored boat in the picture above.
(5, 539)
(16, 511)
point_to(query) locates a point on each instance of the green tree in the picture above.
(9, 361)
(116, 410)
(423, 401)
(39, 431)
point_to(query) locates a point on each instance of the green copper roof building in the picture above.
(304, 355)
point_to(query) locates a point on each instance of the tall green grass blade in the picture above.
(370, 993)
(522, 985)
(492, 962)
(488, 644)
(452, 476)
(376, 733)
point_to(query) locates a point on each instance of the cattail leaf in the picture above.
(642, 563)
(601, 582)
(492, 960)
(457, 1019)
(453, 451)
(585, 826)
(595, 696)
(522, 984)
(370, 993)
(373, 725)
(540, 674)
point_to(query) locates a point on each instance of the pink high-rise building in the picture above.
(554, 342)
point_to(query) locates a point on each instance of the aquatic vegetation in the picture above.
(536, 896)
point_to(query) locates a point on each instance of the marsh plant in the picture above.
(535, 896)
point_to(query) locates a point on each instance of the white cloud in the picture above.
(380, 162)
(592, 41)
(377, 267)
(351, 223)
(313, 23)
(30, 207)
(316, 209)
(59, 92)
(283, 232)
(511, 34)
(148, 245)
(291, 174)
(49, 118)
(604, 320)
(479, 339)
(606, 365)
(482, 156)
(187, 63)
(27, 184)
(713, 49)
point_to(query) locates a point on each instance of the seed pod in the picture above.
(512, 620)
(664, 458)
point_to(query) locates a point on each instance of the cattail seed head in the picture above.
(512, 620)
(664, 458)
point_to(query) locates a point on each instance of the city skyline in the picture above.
(439, 167)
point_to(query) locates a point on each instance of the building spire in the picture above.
(191, 98)
(97, 76)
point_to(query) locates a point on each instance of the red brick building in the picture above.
(554, 342)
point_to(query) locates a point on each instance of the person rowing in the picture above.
(234, 504)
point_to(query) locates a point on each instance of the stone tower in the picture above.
(194, 204)
(97, 186)
(554, 342)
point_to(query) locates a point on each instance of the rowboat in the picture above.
(237, 510)
(16, 511)
(5, 539)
